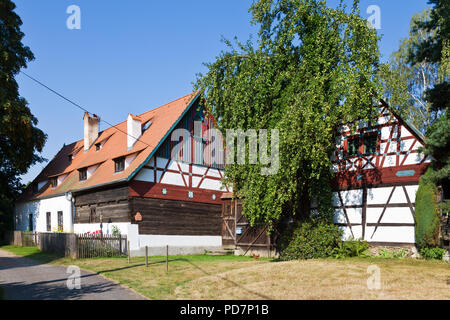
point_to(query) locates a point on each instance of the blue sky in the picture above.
(132, 56)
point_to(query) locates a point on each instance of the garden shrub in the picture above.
(309, 239)
(392, 254)
(351, 248)
(426, 213)
(432, 253)
(115, 231)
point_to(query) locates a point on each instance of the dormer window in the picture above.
(119, 164)
(70, 158)
(54, 182)
(82, 173)
(98, 146)
(146, 126)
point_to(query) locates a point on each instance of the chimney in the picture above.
(134, 130)
(90, 129)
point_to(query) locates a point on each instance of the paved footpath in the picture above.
(25, 279)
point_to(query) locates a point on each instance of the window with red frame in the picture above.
(353, 146)
(365, 145)
(370, 144)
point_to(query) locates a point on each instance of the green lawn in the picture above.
(237, 277)
(34, 253)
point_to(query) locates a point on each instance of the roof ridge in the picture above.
(194, 93)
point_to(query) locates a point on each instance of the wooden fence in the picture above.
(60, 243)
(91, 245)
(21, 238)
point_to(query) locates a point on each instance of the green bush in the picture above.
(426, 213)
(392, 254)
(432, 253)
(309, 239)
(351, 248)
(115, 231)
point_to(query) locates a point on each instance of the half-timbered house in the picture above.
(377, 170)
(125, 176)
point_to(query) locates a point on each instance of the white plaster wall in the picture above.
(145, 175)
(134, 131)
(347, 234)
(211, 184)
(391, 234)
(129, 159)
(172, 178)
(21, 212)
(90, 171)
(81, 228)
(349, 197)
(391, 215)
(354, 215)
(179, 241)
(39, 209)
(176, 179)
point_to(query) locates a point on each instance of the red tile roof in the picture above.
(163, 120)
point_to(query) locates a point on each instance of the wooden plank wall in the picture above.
(112, 204)
(171, 217)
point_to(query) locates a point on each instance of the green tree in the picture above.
(426, 213)
(436, 49)
(313, 68)
(20, 140)
(405, 83)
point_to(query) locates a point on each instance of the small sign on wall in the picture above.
(238, 230)
(138, 217)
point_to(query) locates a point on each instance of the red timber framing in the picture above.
(375, 192)
(186, 179)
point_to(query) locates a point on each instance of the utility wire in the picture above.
(80, 107)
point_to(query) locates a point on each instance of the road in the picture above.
(25, 279)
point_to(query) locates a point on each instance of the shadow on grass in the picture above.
(188, 261)
(235, 284)
(33, 253)
(139, 265)
(25, 277)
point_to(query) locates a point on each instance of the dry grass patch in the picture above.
(325, 279)
(153, 281)
(235, 277)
